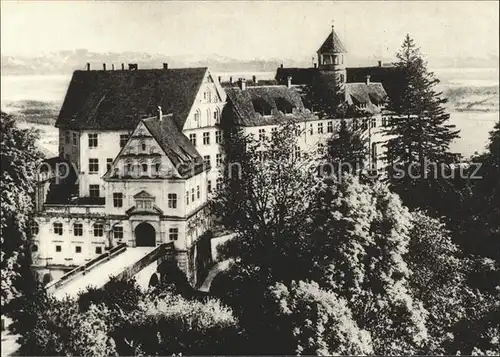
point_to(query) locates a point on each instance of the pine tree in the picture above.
(347, 150)
(419, 132)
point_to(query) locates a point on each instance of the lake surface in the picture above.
(474, 125)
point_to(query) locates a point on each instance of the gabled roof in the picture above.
(243, 109)
(371, 95)
(332, 44)
(176, 145)
(114, 100)
(143, 194)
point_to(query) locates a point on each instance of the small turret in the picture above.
(332, 56)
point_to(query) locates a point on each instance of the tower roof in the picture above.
(332, 44)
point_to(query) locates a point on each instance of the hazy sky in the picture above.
(246, 30)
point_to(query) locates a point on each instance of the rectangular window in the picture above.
(320, 128)
(311, 130)
(192, 194)
(262, 134)
(98, 230)
(172, 200)
(384, 121)
(206, 138)
(118, 232)
(75, 139)
(93, 166)
(78, 249)
(92, 140)
(109, 161)
(209, 185)
(198, 192)
(94, 191)
(297, 152)
(218, 159)
(58, 228)
(173, 233)
(218, 184)
(274, 131)
(373, 122)
(218, 137)
(58, 248)
(117, 199)
(365, 124)
(78, 229)
(67, 137)
(329, 127)
(192, 138)
(187, 197)
(206, 159)
(98, 250)
(123, 139)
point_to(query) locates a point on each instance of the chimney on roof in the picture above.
(133, 66)
(315, 65)
(160, 113)
(88, 66)
(219, 79)
(165, 65)
(254, 79)
(289, 81)
(231, 80)
(242, 83)
(123, 66)
(281, 66)
(380, 63)
(112, 66)
(104, 66)
(367, 79)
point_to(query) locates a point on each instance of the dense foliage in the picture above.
(19, 157)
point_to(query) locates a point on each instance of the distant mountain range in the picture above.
(65, 62)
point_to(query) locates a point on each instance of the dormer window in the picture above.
(262, 107)
(284, 105)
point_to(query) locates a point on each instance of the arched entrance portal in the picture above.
(153, 281)
(145, 235)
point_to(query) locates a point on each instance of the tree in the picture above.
(51, 327)
(115, 294)
(346, 151)
(361, 235)
(265, 190)
(317, 322)
(172, 324)
(419, 132)
(19, 158)
(438, 279)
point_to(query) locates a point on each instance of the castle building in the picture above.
(140, 151)
(353, 87)
(137, 158)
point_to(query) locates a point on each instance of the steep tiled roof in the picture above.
(392, 78)
(371, 95)
(175, 144)
(332, 44)
(242, 104)
(114, 100)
